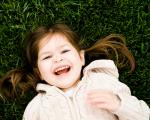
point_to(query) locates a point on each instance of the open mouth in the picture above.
(62, 70)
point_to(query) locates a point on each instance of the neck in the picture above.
(72, 87)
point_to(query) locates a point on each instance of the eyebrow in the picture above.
(48, 52)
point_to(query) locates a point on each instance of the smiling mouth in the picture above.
(62, 70)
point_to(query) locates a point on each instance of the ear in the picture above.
(82, 57)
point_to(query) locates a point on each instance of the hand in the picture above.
(103, 99)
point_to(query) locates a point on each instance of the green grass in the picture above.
(91, 19)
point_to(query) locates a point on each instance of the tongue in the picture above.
(62, 71)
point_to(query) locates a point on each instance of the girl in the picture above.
(70, 88)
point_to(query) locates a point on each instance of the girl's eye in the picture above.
(64, 51)
(47, 57)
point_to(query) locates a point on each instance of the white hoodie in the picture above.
(54, 104)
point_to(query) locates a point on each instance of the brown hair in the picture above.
(111, 47)
(16, 82)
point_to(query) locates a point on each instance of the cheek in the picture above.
(44, 68)
(78, 59)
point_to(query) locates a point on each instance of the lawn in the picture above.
(91, 19)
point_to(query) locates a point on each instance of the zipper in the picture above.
(73, 103)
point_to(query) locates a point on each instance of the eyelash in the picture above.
(64, 51)
(47, 57)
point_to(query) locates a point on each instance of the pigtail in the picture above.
(111, 47)
(15, 83)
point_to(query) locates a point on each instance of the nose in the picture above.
(57, 58)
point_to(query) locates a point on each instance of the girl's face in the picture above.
(59, 63)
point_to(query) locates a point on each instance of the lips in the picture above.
(61, 70)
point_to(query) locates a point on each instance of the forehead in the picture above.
(54, 41)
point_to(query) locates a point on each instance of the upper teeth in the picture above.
(61, 68)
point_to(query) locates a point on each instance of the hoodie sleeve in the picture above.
(131, 107)
(32, 110)
(102, 66)
(103, 74)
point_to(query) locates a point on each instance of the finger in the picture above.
(102, 106)
(98, 99)
(99, 104)
(99, 95)
(96, 92)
